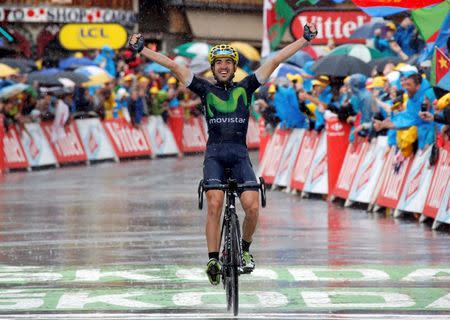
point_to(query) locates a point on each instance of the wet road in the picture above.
(125, 240)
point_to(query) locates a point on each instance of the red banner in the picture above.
(194, 139)
(14, 154)
(304, 160)
(127, 141)
(353, 158)
(331, 24)
(407, 4)
(441, 179)
(393, 183)
(337, 144)
(67, 149)
(2, 152)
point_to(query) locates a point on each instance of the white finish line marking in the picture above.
(296, 316)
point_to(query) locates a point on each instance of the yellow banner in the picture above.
(86, 36)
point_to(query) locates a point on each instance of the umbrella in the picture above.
(299, 58)
(199, 65)
(98, 79)
(340, 66)
(380, 63)
(24, 65)
(359, 51)
(155, 67)
(283, 69)
(74, 62)
(12, 90)
(192, 49)
(45, 78)
(367, 30)
(76, 77)
(89, 71)
(246, 50)
(6, 71)
(238, 76)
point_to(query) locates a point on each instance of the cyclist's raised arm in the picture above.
(266, 69)
(183, 74)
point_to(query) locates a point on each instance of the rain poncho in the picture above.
(361, 101)
(105, 60)
(286, 105)
(326, 96)
(410, 117)
(307, 82)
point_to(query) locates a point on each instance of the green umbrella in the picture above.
(192, 49)
(359, 51)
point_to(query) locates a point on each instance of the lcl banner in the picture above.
(331, 24)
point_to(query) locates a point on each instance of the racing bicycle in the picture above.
(232, 261)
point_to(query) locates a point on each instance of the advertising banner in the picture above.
(252, 134)
(353, 157)
(417, 184)
(317, 181)
(331, 24)
(443, 214)
(36, 146)
(67, 147)
(89, 36)
(2, 152)
(369, 172)
(304, 159)
(393, 182)
(126, 140)
(14, 156)
(439, 183)
(274, 153)
(94, 139)
(337, 144)
(194, 139)
(161, 138)
(287, 162)
(264, 138)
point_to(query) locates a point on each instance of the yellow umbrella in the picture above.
(98, 79)
(247, 50)
(238, 76)
(7, 71)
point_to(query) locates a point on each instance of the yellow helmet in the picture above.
(154, 90)
(223, 51)
(172, 80)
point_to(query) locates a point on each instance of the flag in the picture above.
(430, 20)
(277, 16)
(440, 70)
(383, 8)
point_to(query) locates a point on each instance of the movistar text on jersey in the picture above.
(226, 120)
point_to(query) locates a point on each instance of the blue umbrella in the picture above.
(285, 68)
(46, 72)
(74, 62)
(299, 59)
(5, 83)
(12, 90)
(367, 30)
(155, 68)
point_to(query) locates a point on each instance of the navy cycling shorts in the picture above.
(234, 157)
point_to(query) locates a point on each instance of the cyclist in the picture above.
(226, 105)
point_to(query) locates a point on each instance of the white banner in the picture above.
(284, 172)
(36, 146)
(94, 139)
(369, 172)
(160, 136)
(443, 214)
(417, 184)
(317, 181)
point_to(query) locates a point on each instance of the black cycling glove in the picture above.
(138, 45)
(308, 34)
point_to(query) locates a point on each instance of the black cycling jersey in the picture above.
(226, 108)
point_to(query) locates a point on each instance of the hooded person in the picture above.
(105, 60)
(361, 102)
(286, 105)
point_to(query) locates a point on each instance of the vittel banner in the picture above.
(331, 24)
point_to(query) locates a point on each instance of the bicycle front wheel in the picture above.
(235, 259)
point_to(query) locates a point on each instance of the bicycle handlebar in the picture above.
(232, 186)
